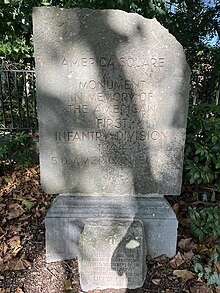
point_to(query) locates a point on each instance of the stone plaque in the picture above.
(112, 93)
(112, 254)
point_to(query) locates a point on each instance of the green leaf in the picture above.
(151, 6)
(213, 197)
(213, 279)
(198, 268)
(215, 139)
(160, 11)
(200, 53)
(27, 204)
(197, 175)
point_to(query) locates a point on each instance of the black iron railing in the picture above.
(18, 110)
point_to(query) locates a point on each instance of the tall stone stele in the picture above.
(112, 92)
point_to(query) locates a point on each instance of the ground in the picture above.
(23, 267)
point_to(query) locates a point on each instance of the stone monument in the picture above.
(112, 92)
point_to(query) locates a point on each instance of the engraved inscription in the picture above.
(112, 103)
(112, 250)
(108, 83)
(149, 63)
(105, 135)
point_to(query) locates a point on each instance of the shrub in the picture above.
(207, 266)
(205, 227)
(205, 223)
(202, 151)
(15, 150)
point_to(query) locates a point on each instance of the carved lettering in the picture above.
(149, 63)
(125, 110)
(78, 62)
(78, 109)
(111, 84)
(104, 135)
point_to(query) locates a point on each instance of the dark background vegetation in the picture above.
(193, 22)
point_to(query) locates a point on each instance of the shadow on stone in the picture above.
(112, 106)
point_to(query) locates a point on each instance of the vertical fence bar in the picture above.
(26, 100)
(2, 102)
(19, 100)
(34, 101)
(10, 98)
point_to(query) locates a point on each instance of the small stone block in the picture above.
(68, 214)
(112, 254)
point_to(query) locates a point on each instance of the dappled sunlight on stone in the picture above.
(112, 105)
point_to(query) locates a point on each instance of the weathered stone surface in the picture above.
(68, 214)
(112, 103)
(112, 254)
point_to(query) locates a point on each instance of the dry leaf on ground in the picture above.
(201, 247)
(3, 267)
(14, 228)
(2, 232)
(185, 244)
(7, 290)
(19, 290)
(177, 261)
(15, 211)
(216, 267)
(188, 255)
(176, 207)
(14, 242)
(19, 263)
(68, 284)
(184, 274)
(156, 281)
(200, 288)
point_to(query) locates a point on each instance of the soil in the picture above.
(23, 267)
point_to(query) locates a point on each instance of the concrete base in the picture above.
(67, 216)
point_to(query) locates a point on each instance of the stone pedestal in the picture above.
(66, 219)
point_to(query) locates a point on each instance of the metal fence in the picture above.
(18, 110)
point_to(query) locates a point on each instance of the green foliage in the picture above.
(16, 42)
(202, 152)
(208, 268)
(15, 150)
(16, 32)
(18, 100)
(193, 24)
(189, 21)
(205, 223)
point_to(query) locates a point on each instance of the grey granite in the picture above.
(112, 91)
(68, 214)
(112, 254)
